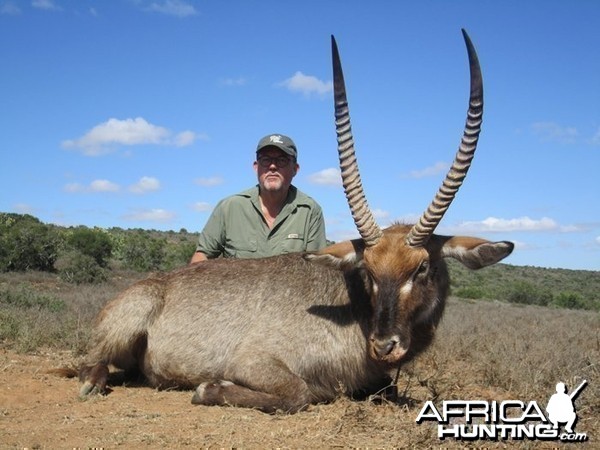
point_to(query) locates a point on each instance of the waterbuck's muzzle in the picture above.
(389, 349)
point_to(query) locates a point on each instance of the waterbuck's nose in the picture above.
(381, 348)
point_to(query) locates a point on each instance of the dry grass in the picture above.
(26, 327)
(496, 351)
(521, 349)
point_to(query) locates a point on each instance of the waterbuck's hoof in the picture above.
(94, 379)
(210, 393)
(88, 389)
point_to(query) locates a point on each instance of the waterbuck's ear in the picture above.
(347, 255)
(476, 253)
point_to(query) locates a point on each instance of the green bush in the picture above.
(142, 252)
(94, 243)
(526, 293)
(77, 267)
(27, 244)
(472, 292)
(178, 254)
(570, 300)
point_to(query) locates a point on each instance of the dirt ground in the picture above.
(39, 410)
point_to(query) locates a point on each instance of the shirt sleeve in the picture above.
(316, 232)
(212, 237)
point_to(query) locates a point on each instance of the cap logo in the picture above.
(276, 139)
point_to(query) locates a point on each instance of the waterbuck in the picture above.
(280, 333)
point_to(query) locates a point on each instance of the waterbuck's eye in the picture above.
(422, 269)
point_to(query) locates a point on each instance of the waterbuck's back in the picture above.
(280, 310)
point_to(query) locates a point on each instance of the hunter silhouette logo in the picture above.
(509, 419)
(560, 406)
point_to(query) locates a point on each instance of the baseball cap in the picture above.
(280, 141)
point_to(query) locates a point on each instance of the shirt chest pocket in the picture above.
(293, 243)
(242, 247)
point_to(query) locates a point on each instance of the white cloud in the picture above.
(103, 138)
(150, 215)
(94, 186)
(598, 240)
(184, 139)
(307, 84)
(240, 81)
(176, 8)
(47, 5)
(380, 214)
(201, 207)
(103, 186)
(436, 169)
(382, 217)
(9, 8)
(596, 138)
(145, 184)
(74, 187)
(553, 132)
(494, 225)
(210, 181)
(327, 177)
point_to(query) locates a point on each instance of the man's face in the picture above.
(275, 170)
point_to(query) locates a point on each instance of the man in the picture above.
(272, 218)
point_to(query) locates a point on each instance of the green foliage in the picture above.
(144, 250)
(472, 292)
(559, 288)
(178, 254)
(572, 300)
(95, 243)
(528, 294)
(27, 244)
(84, 255)
(140, 251)
(77, 267)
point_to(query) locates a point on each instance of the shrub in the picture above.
(178, 254)
(472, 292)
(77, 267)
(526, 293)
(142, 252)
(27, 244)
(570, 300)
(94, 243)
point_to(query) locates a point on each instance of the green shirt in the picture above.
(237, 228)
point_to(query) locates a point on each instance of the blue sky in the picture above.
(145, 113)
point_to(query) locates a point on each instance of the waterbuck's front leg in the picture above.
(266, 384)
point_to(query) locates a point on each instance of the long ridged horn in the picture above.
(363, 218)
(423, 229)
